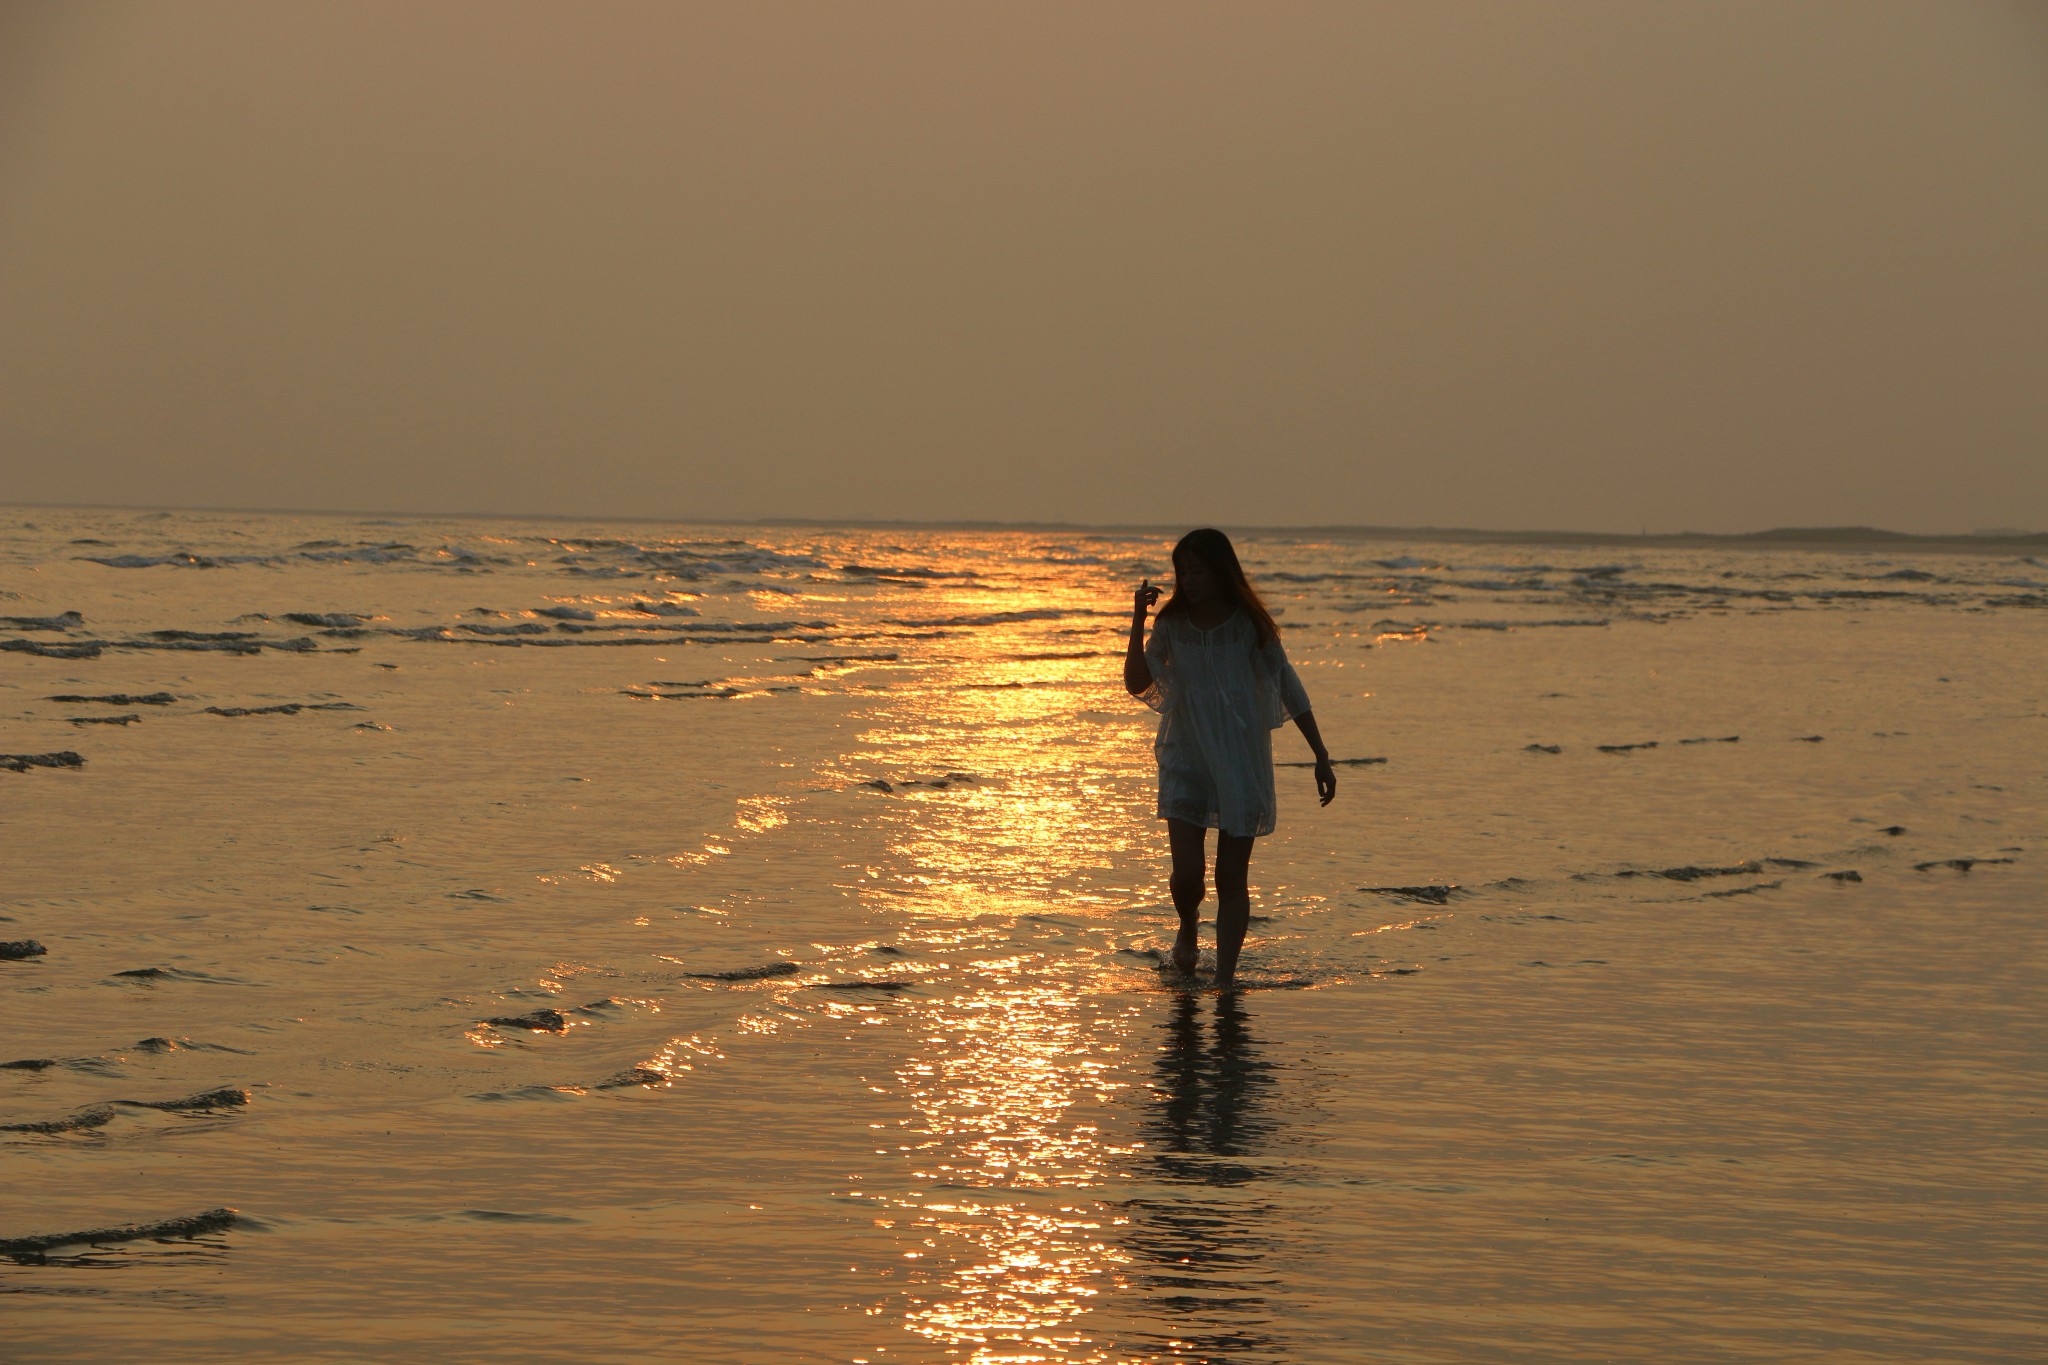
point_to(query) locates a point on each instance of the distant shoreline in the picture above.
(1813, 538)
(1807, 537)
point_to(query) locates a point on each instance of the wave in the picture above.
(520, 628)
(312, 552)
(93, 1116)
(216, 642)
(82, 649)
(183, 559)
(161, 1045)
(21, 763)
(339, 620)
(1958, 864)
(900, 571)
(539, 1021)
(100, 1115)
(1428, 895)
(154, 974)
(888, 987)
(996, 618)
(761, 973)
(224, 1097)
(190, 1225)
(1527, 625)
(290, 708)
(686, 562)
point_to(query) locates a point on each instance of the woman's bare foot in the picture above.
(1186, 950)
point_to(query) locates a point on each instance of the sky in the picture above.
(1607, 265)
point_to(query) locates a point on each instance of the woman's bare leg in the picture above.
(1233, 901)
(1189, 884)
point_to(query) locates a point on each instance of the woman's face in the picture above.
(1195, 580)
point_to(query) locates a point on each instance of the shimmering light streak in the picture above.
(1007, 1081)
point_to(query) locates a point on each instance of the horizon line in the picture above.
(1842, 535)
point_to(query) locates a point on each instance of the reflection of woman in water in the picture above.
(1200, 1237)
(1215, 672)
(1205, 1095)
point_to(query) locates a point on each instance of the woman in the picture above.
(1215, 672)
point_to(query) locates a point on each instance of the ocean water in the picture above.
(742, 944)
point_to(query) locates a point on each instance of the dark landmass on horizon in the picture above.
(1787, 537)
(1797, 537)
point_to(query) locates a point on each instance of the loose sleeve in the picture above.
(1159, 660)
(1286, 698)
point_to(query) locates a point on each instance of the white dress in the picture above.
(1219, 695)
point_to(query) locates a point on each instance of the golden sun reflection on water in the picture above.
(1040, 810)
(996, 1088)
(1008, 1078)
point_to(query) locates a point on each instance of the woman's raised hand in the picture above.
(1147, 597)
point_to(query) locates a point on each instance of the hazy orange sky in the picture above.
(1719, 265)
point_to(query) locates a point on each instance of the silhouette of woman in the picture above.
(1215, 672)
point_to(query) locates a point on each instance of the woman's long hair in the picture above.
(1215, 552)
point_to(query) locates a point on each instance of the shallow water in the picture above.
(819, 865)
